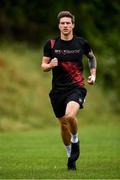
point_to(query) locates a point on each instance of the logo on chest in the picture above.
(66, 51)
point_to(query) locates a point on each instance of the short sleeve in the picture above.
(47, 51)
(87, 47)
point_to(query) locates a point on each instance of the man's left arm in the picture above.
(92, 65)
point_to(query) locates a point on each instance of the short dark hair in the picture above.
(62, 14)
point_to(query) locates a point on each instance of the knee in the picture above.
(70, 117)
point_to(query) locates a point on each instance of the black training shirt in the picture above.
(69, 72)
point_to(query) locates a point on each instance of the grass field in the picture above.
(41, 154)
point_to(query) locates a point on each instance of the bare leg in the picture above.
(69, 122)
(70, 115)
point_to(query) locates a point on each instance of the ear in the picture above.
(59, 25)
(73, 26)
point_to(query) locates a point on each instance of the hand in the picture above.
(91, 79)
(54, 62)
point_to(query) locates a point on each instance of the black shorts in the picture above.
(59, 100)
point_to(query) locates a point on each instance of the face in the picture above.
(66, 26)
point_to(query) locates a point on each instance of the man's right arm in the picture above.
(48, 64)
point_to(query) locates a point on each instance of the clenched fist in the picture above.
(54, 62)
(91, 79)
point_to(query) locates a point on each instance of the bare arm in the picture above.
(92, 65)
(48, 64)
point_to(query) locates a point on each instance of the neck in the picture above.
(66, 37)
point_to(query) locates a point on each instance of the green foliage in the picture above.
(25, 19)
(37, 19)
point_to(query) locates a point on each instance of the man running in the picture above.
(63, 55)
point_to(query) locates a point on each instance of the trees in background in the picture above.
(33, 20)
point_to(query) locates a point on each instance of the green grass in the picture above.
(41, 154)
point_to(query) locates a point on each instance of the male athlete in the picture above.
(63, 55)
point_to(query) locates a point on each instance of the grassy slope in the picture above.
(24, 102)
(23, 88)
(41, 155)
